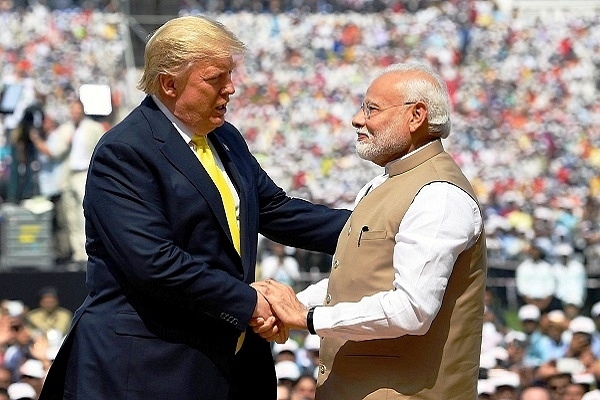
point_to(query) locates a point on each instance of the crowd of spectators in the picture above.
(547, 349)
(236, 6)
(525, 126)
(525, 123)
(29, 341)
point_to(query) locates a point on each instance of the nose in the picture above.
(229, 87)
(228, 90)
(359, 120)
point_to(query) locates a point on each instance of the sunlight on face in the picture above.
(380, 146)
(203, 93)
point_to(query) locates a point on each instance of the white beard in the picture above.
(382, 145)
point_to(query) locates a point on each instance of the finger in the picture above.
(271, 335)
(278, 338)
(267, 326)
(281, 332)
(258, 321)
(282, 336)
(260, 287)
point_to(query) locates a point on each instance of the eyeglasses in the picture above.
(368, 110)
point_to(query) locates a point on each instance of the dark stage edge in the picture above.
(24, 284)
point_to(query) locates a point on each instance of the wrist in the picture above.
(309, 320)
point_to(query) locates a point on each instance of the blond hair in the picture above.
(173, 47)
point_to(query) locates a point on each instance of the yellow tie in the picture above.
(208, 161)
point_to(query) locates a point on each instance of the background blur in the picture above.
(523, 76)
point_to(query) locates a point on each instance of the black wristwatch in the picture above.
(309, 320)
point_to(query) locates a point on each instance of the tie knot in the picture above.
(200, 142)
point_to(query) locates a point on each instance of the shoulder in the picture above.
(91, 124)
(131, 129)
(228, 132)
(436, 193)
(232, 140)
(33, 313)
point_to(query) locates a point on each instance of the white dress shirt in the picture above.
(441, 222)
(79, 159)
(187, 135)
(571, 282)
(535, 279)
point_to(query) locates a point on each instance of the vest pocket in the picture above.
(373, 235)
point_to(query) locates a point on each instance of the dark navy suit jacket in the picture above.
(168, 293)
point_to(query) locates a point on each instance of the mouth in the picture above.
(222, 109)
(362, 135)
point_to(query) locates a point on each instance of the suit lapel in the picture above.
(177, 151)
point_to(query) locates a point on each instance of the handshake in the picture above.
(277, 311)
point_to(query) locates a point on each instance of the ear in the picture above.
(418, 116)
(168, 84)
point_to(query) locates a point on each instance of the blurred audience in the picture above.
(280, 265)
(535, 393)
(49, 318)
(524, 87)
(304, 388)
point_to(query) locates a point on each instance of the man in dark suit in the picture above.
(170, 295)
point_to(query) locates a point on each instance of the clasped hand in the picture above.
(277, 311)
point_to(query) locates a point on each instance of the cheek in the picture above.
(190, 107)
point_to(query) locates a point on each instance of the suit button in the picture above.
(328, 298)
(322, 369)
(336, 263)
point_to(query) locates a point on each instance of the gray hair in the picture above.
(433, 94)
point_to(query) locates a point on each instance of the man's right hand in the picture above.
(265, 323)
(284, 303)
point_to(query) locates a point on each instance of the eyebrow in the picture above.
(371, 103)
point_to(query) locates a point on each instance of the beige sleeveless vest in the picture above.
(442, 364)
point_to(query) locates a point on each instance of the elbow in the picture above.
(421, 324)
(418, 328)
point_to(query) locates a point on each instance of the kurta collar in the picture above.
(414, 159)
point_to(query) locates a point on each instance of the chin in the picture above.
(364, 150)
(217, 122)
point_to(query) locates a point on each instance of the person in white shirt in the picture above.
(408, 276)
(536, 281)
(53, 145)
(571, 279)
(85, 134)
(280, 266)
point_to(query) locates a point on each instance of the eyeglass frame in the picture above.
(367, 110)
